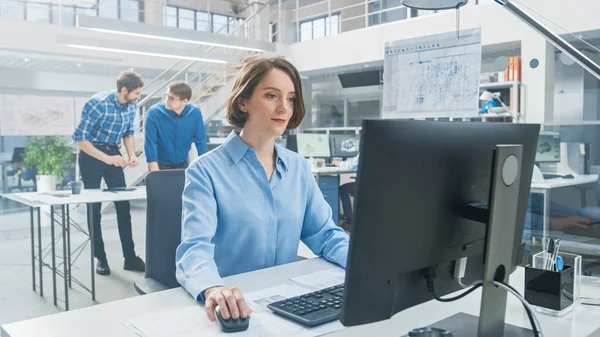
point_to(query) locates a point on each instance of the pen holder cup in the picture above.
(550, 291)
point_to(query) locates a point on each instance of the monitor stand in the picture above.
(465, 325)
(499, 252)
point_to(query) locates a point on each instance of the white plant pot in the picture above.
(46, 183)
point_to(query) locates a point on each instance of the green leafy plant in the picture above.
(47, 155)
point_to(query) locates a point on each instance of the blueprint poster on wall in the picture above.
(432, 76)
(36, 115)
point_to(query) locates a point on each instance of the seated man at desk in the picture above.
(347, 190)
(562, 217)
(248, 203)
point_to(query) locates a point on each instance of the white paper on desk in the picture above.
(323, 279)
(192, 321)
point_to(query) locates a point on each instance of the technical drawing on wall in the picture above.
(432, 76)
(36, 115)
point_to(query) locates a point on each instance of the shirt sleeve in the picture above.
(319, 232)
(351, 164)
(90, 114)
(200, 136)
(196, 267)
(150, 139)
(129, 129)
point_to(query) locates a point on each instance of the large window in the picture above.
(63, 15)
(220, 24)
(12, 10)
(170, 16)
(202, 21)
(186, 18)
(108, 9)
(319, 27)
(383, 12)
(130, 10)
(37, 12)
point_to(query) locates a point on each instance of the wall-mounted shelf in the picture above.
(498, 85)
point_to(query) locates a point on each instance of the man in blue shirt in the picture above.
(170, 128)
(106, 120)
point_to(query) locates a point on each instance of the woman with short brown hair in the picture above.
(248, 203)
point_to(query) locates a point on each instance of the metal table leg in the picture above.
(40, 258)
(90, 212)
(53, 253)
(546, 226)
(69, 243)
(65, 258)
(32, 248)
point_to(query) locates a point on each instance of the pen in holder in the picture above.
(553, 284)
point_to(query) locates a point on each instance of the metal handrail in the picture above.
(161, 87)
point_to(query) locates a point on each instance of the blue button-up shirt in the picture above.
(104, 120)
(350, 164)
(168, 136)
(235, 220)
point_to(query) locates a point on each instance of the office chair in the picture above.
(163, 229)
(17, 158)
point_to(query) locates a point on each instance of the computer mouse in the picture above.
(231, 325)
(568, 176)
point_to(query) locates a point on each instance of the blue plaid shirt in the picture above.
(104, 120)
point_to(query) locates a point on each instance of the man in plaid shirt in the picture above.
(106, 119)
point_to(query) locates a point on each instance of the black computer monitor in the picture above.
(291, 143)
(313, 145)
(18, 155)
(548, 147)
(344, 145)
(414, 180)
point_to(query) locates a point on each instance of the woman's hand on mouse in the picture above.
(231, 303)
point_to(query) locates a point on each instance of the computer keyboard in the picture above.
(314, 308)
(552, 176)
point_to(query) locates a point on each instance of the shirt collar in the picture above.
(236, 148)
(282, 157)
(174, 114)
(116, 99)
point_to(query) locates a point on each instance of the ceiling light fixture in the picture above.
(121, 27)
(122, 47)
(172, 39)
(137, 52)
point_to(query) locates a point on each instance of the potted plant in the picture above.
(47, 156)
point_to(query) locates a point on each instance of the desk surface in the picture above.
(562, 182)
(331, 170)
(35, 199)
(108, 319)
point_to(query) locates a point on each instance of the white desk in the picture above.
(549, 184)
(108, 319)
(546, 186)
(331, 170)
(62, 199)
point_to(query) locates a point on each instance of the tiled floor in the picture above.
(17, 299)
